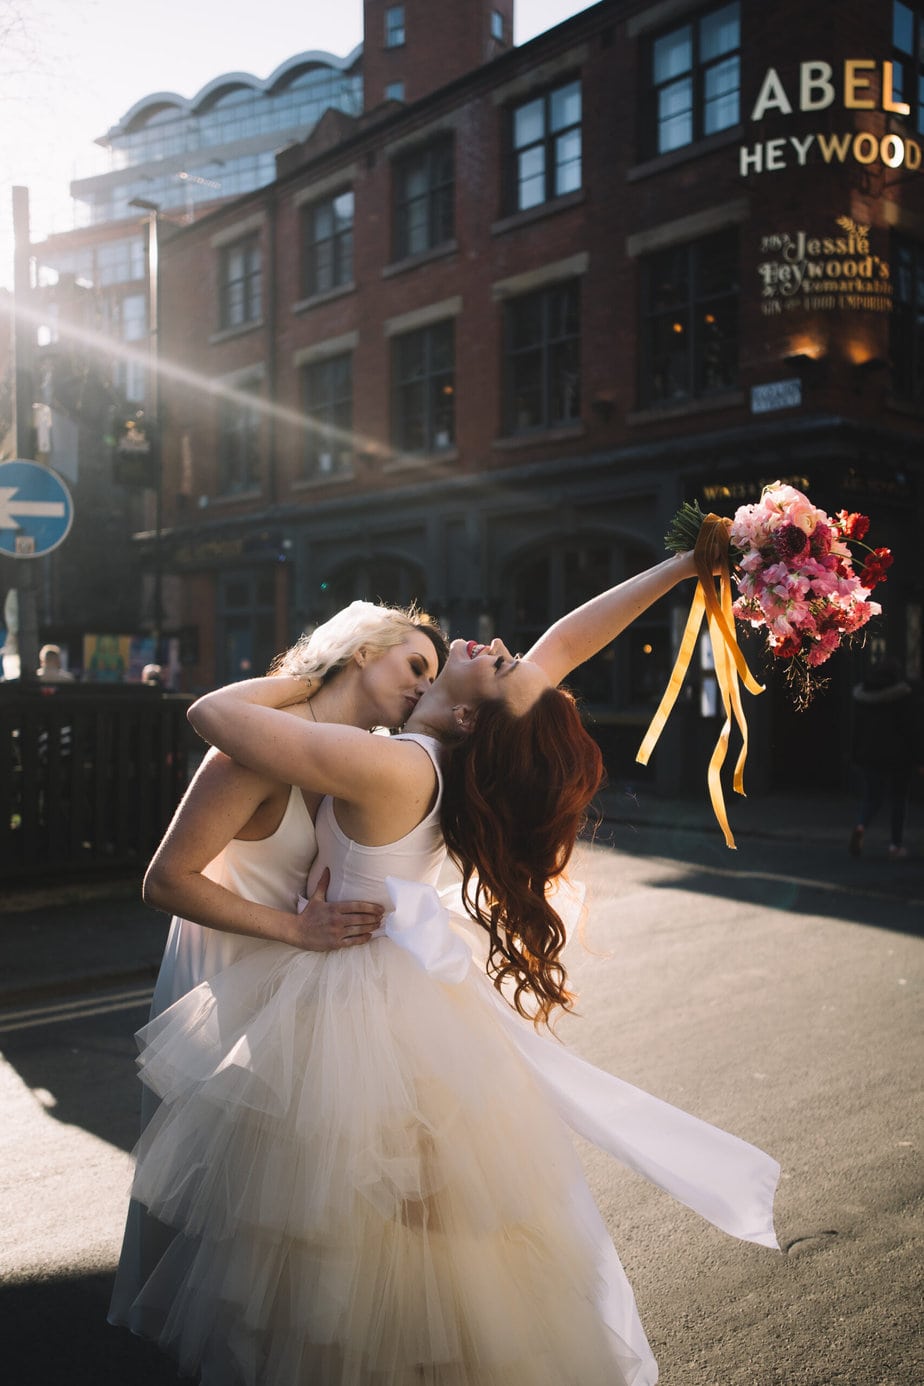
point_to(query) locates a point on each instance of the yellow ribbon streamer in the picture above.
(711, 559)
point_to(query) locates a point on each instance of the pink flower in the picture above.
(750, 528)
(822, 648)
(824, 583)
(795, 576)
(858, 613)
(792, 506)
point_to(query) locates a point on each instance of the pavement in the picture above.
(67, 939)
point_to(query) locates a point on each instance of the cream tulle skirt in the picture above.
(369, 1186)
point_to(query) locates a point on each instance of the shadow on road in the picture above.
(87, 1070)
(801, 877)
(55, 1334)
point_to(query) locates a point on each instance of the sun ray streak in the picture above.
(210, 386)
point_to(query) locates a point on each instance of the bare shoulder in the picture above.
(226, 800)
(397, 789)
(218, 774)
(398, 759)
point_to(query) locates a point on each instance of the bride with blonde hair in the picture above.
(233, 862)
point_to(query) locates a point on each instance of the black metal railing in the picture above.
(89, 776)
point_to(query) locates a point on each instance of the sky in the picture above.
(70, 69)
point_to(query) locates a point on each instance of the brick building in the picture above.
(476, 343)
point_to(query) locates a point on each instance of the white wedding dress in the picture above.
(270, 871)
(366, 1156)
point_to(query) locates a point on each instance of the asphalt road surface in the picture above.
(770, 991)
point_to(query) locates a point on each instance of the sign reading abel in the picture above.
(861, 85)
(36, 510)
(805, 270)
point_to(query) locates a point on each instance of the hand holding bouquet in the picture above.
(793, 570)
(795, 576)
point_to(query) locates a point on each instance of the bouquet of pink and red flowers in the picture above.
(794, 571)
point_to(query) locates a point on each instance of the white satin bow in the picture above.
(420, 924)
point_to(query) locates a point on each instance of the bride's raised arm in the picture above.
(589, 628)
(243, 720)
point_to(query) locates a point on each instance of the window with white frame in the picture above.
(327, 244)
(424, 191)
(240, 283)
(693, 82)
(395, 32)
(546, 147)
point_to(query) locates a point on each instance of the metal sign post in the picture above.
(24, 642)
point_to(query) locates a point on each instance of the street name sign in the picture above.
(776, 394)
(36, 509)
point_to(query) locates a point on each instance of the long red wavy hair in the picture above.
(515, 799)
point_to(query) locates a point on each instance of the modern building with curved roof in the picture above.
(182, 153)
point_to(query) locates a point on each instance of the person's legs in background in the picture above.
(873, 791)
(898, 800)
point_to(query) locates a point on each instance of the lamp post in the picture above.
(152, 401)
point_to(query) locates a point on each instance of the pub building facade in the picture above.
(475, 345)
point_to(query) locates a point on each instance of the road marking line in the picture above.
(82, 1010)
(75, 1005)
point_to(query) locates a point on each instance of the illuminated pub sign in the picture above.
(858, 84)
(821, 270)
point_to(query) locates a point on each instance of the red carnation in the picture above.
(853, 526)
(788, 647)
(874, 569)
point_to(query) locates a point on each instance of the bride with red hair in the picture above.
(368, 1151)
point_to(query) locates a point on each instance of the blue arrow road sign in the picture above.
(36, 509)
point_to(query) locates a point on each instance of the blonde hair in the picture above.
(361, 625)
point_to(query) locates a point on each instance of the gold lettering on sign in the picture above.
(822, 273)
(818, 90)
